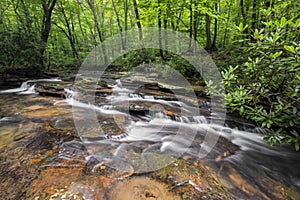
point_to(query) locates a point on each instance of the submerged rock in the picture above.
(141, 188)
(52, 89)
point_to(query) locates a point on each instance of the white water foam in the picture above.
(27, 88)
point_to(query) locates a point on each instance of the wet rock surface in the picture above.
(53, 89)
(42, 156)
(141, 188)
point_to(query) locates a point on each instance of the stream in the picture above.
(58, 145)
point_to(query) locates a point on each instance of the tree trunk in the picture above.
(196, 14)
(161, 53)
(214, 43)
(69, 34)
(138, 21)
(166, 35)
(119, 24)
(254, 19)
(226, 27)
(126, 15)
(82, 32)
(125, 24)
(191, 23)
(243, 15)
(178, 19)
(92, 7)
(207, 31)
(46, 27)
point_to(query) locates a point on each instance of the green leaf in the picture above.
(283, 21)
(277, 54)
(241, 26)
(297, 23)
(267, 138)
(242, 110)
(273, 141)
(268, 11)
(257, 36)
(289, 48)
(296, 146)
(276, 37)
(270, 39)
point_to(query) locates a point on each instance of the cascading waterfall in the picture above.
(157, 123)
(154, 125)
(156, 130)
(28, 87)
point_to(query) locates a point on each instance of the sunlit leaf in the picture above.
(289, 48)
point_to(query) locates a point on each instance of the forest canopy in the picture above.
(255, 44)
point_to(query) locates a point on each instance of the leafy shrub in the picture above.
(145, 56)
(266, 88)
(19, 49)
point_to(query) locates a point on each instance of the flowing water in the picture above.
(142, 129)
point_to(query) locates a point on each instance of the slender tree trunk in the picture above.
(138, 21)
(177, 24)
(243, 15)
(75, 37)
(166, 35)
(254, 19)
(49, 61)
(119, 24)
(125, 24)
(171, 17)
(46, 27)
(92, 7)
(132, 20)
(178, 19)
(214, 43)
(117, 45)
(173, 25)
(82, 32)
(191, 23)
(207, 31)
(226, 27)
(196, 14)
(161, 53)
(69, 34)
(126, 15)
(92, 38)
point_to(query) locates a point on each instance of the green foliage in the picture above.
(263, 86)
(134, 59)
(145, 56)
(266, 88)
(19, 49)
